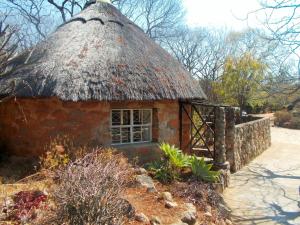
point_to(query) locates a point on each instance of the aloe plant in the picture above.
(202, 170)
(175, 156)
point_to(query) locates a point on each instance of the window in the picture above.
(131, 126)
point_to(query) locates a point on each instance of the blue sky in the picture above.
(221, 13)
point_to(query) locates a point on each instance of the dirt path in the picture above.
(267, 190)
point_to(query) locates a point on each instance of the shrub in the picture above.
(59, 152)
(282, 117)
(170, 168)
(24, 206)
(161, 171)
(202, 170)
(197, 192)
(177, 159)
(89, 189)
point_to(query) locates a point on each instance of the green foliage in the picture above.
(175, 156)
(161, 171)
(202, 170)
(174, 161)
(241, 80)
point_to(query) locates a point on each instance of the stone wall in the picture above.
(250, 140)
(27, 125)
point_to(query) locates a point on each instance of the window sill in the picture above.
(135, 145)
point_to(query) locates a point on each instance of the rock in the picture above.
(224, 209)
(190, 215)
(228, 222)
(208, 209)
(179, 223)
(145, 181)
(170, 205)
(208, 214)
(141, 217)
(141, 171)
(167, 196)
(155, 221)
(151, 189)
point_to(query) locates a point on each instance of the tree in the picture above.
(281, 18)
(8, 44)
(240, 82)
(31, 17)
(202, 52)
(37, 18)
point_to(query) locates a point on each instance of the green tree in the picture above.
(240, 84)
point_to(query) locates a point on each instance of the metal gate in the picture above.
(202, 134)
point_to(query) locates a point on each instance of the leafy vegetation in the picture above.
(240, 82)
(202, 170)
(170, 167)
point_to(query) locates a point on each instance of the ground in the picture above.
(267, 191)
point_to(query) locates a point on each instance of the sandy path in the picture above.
(267, 190)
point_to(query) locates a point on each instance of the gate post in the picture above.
(220, 150)
(229, 134)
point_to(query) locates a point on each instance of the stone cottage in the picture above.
(99, 79)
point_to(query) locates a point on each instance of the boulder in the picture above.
(179, 223)
(190, 215)
(167, 196)
(141, 217)
(155, 221)
(140, 171)
(145, 181)
(170, 205)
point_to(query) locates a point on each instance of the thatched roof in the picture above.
(101, 55)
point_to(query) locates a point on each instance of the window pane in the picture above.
(146, 134)
(146, 116)
(137, 134)
(125, 135)
(126, 117)
(137, 117)
(116, 137)
(116, 117)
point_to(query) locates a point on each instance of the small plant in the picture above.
(202, 170)
(170, 168)
(175, 156)
(24, 206)
(54, 158)
(90, 189)
(59, 152)
(161, 171)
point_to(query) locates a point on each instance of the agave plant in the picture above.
(175, 156)
(202, 170)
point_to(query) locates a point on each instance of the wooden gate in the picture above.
(202, 131)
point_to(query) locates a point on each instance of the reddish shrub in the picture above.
(25, 204)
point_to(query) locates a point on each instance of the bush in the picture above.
(89, 189)
(161, 171)
(282, 117)
(197, 192)
(170, 168)
(202, 170)
(59, 152)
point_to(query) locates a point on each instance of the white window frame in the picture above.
(131, 126)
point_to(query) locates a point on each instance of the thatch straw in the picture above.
(101, 55)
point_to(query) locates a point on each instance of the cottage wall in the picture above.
(26, 125)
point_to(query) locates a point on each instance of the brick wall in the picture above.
(26, 125)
